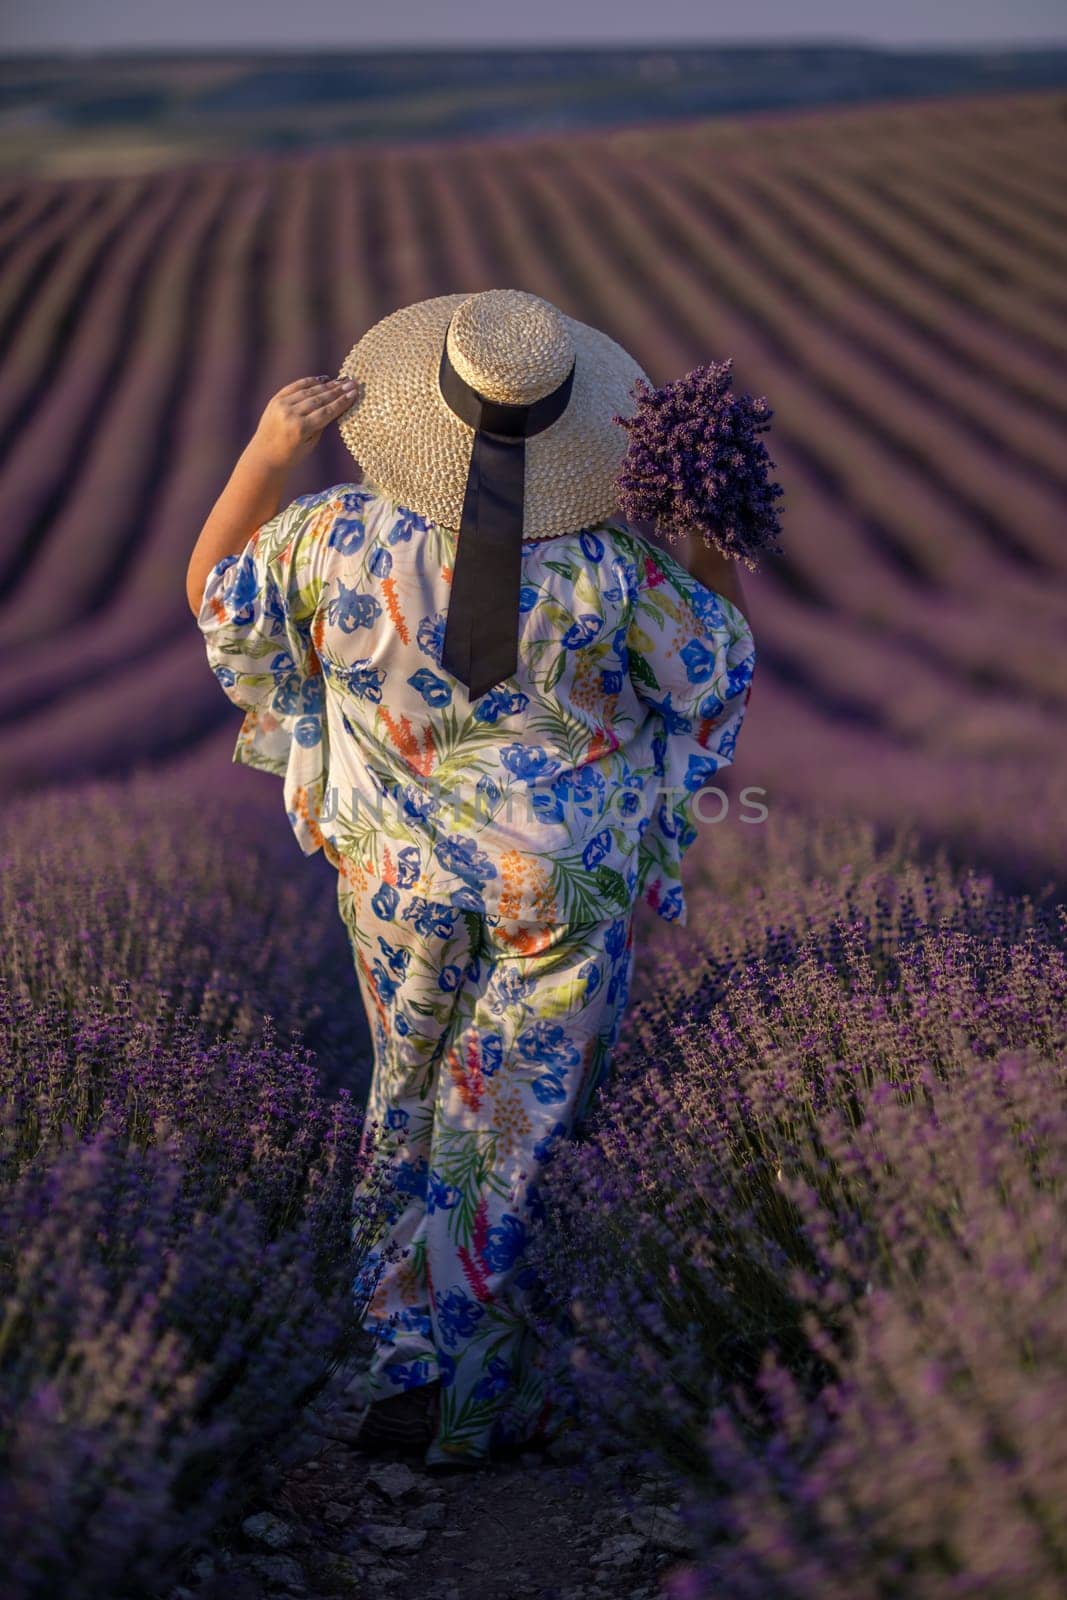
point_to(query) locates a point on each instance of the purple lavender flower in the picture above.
(694, 463)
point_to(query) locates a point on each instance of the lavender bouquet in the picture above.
(695, 466)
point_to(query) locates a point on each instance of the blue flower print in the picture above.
(446, 1369)
(385, 901)
(354, 499)
(346, 535)
(307, 732)
(404, 523)
(627, 803)
(708, 608)
(670, 905)
(311, 696)
(668, 821)
(461, 855)
(549, 1089)
(543, 1150)
(611, 681)
(698, 770)
(430, 918)
(399, 959)
(504, 1243)
(727, 743)
(497, 1379)
(409, 1375)
(381, 562)
(449, 978)
(491, 1053)
(615, 938)
(582, 632)
(285, 700)
(596, 849)
(468, 899)
(349, 609)
(486, 787)
(360, 679)
(434, 690)
(699, 660)
(273, 605)
(591, 973)
(581, 788)
(226, 676)
(383, 983)
(527, 597)
(500, 703)
(624, 589)
(592, 546)
(242, 593)
(430, 636)
(674, 721)
(527, 760)
(457, 1315)
(408, 865)
(510, 987)
(402, 1025)
(417, 803)
(545, 1041)
(415, 1320)
(411, 1177)
(397, 1117)
(738, 675)
(441, 1196)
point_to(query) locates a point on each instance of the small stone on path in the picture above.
(268, 1529)
(397, 1541)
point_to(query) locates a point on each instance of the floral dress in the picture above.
(489, 858)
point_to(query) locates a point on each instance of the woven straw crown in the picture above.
(513, 348)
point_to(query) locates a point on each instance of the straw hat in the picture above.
(513, 348)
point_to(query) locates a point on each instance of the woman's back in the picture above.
(562, 791)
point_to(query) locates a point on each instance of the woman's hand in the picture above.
(294, 419)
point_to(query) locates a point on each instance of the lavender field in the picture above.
(817, 1225)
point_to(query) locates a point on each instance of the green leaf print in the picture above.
(566, 569)
(612, 884)
(640, 669)
(556, 670)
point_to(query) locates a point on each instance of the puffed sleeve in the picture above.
(257, 619)
(691, 658)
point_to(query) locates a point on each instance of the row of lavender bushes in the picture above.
(813, 1240)
(178, 1241)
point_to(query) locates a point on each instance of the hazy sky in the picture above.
(116, 24)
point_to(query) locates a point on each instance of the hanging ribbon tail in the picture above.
(481, 642)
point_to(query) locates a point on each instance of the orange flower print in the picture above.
(602, 741)
(403, 736)
(471, 1261)
(392, 605)
(467, 1074)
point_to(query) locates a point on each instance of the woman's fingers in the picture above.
(331, 404)
(307, 388)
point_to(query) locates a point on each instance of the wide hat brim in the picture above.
(417, 451)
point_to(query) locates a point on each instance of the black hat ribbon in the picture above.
(481, 642)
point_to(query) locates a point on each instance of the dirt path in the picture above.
(573, 1526)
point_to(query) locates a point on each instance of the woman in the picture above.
(492, 701)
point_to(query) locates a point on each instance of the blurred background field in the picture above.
(142, 110)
